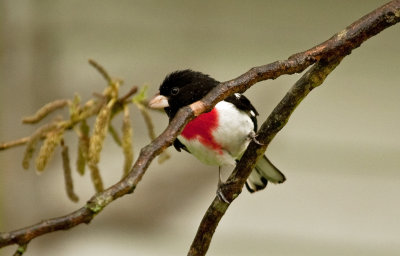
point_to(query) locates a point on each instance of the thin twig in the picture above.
(126, 97)
(339, 45)
(14, 143)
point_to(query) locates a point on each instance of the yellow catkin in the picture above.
(96, 143)
(127, 135)
(31, 145)
(90, 108)
(164, 156)
(114, 135)
(150, 129)
(147, 120)
(99, 133)
(96, 177)
(46, 152)
(75, 108)
(69, 185)
(101, 70)
(83, 147)
(45, 110)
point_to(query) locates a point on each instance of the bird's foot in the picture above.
(220, 193)
(221, 196)
(253, 136)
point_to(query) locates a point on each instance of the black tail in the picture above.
(263, 172)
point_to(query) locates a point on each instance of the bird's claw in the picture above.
(220, 194)
(253, 137)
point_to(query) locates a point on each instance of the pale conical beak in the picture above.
(158, 102)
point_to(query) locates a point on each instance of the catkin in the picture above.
(83, 147)
(101, 70)
(99, 133)
(96, 177)
(150, 129)
(127, 133)
(114, 135)
(45, 110)
(33, 141)
(46, 152)
(96, 143)
(74, 108)
(69, 185)
(147, 120)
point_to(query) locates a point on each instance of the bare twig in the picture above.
(131, 92)
(338, 46)
(14, 143)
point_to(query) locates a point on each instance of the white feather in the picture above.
(232, 134)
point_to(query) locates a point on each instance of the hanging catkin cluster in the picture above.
(43, 143)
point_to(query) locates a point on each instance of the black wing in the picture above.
(178, 146)
(243, 103)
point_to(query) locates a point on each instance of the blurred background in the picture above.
(340, 150)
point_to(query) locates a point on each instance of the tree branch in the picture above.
(328, 53)
(274, 123)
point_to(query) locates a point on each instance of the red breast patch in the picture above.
(201, 128)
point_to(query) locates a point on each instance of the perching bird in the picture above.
(220, 136)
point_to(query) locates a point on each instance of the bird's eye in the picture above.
(175, 91)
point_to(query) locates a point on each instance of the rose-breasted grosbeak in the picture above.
(220, 136)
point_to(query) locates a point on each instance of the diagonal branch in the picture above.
(274, 123)
(329, 51)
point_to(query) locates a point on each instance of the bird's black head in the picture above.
(182, 88)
